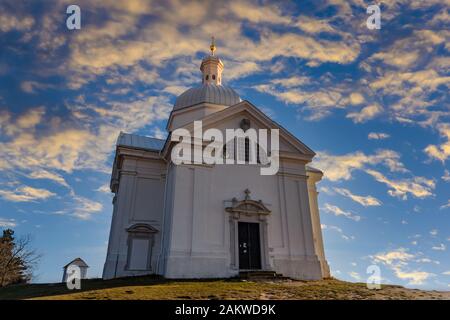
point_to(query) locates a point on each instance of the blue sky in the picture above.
(373, 104)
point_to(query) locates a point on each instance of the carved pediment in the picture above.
(142, 228)
(248, 206)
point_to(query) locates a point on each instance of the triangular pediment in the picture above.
(231, 116)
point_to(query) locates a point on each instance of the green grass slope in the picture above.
(149, 288)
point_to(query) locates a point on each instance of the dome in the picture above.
(209, 93)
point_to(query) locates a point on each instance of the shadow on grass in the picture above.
(28, 291)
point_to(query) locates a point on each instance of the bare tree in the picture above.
(17, 259)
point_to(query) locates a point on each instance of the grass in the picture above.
(150, 288)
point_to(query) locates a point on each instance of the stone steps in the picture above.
(261, 275)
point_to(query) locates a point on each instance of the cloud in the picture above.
(441, 152)
(82, 142)
(398, 256)
(86, 207)
(159, 134)
(338, 230)
(314, 25)
(446, 176)
(414, 277)
(440, 247)
(258, 14)
(427, 260)
(33, 86)
(355, 275)
(61, 150)
(26, 194)
(44, 174)
(312, 95)
(26, 121)
(434, 232)
(104, 188)
(7, 223)
(378, 135)
(125, 40)
(445, 206)
(365, 113)
(366, 201)
(397, 260)
(406, 52)
(339, 212)
(414, 94)
(418, 187)
(11, 22)
(340, 167)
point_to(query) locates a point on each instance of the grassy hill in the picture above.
(156, 288)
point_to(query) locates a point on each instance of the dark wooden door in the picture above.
(249, 246)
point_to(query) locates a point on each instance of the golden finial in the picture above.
(212, 47)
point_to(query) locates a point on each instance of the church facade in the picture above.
(213, 220)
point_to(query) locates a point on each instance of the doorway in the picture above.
(249, 246)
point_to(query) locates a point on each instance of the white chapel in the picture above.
(213, 221)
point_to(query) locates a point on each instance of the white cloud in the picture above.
(338, 230)
(86, 207)
(427, 260)
(378, 135)
(104, 188)
(339, 212)
(355, 275)
(446, 176)
(399, 256)
(366, 201)
(434, 232)
(445, 206)
(10, 22)
(365, 113)
(414, 277)
(340, 167)
(419, 187)
(440, 247)
(441, 152)
(159, 134)
(7, 223)
(397, 260)
(26, 194)
(44, 174)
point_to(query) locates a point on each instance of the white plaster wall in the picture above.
(200, 235)
(313, 178)
(139, 199)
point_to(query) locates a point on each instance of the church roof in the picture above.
(77, 261)
(209, 93)
(139, 142)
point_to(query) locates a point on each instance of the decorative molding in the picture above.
(247, 206)
(142, 228)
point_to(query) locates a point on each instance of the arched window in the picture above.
(207, 77)
(247, 150)
(241, 148)
(214, 77)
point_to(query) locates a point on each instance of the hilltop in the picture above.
(149, 288)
